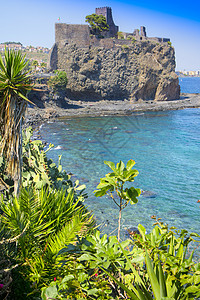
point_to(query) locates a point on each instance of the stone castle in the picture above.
(80, 34)
(119, 66)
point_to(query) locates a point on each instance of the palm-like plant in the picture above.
(35, 64)
(44, 222)
(14, 84)
(43, 65)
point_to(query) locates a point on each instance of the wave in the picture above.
(58, 147)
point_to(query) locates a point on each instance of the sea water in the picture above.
(166, 149)
(189, 84)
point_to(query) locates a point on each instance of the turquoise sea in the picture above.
(166, 148)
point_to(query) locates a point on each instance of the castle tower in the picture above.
(107, 13)
(143, 31)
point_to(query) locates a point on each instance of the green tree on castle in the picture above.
(97, 23)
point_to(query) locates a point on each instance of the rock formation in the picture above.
(135, 67)
(119, 69)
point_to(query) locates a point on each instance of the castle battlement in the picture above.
(80, 34)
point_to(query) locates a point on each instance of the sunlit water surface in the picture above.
(166, 148)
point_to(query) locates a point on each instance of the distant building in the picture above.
(21, 47)
(189, 73)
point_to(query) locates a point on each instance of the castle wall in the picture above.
(72, 33)
(53, 58)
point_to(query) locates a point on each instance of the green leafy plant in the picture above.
(89, 254)
(40, 171)
(97, 23)
(114, 185)
(78, 284)
(130, 37)
(43, 65)
(44, 222)
(169, 247)
(35, 64)
(99, 250)
(167, 273)
(120, 35)
(160, 288)
(124, 47)
(58, 81)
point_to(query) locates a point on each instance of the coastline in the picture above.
(36, 116)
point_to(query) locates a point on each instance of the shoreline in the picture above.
(36, 116)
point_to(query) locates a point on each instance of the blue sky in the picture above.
(32, 22)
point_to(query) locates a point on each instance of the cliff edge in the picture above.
(118, 69)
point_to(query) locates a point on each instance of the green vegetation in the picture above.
(15, 43)
(115, 183)
(120, 35)
(59, 81)
(49, 245)
(147, 266)
(43, 65)
(124, 47)
(97, 24)
(130, 37)
(35, 64)
(14, 84)
(36, 56)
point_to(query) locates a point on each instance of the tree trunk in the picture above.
(119, 220)
(11, 146)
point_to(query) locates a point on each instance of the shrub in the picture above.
(59, 81)
(125, 47)
(120, 35)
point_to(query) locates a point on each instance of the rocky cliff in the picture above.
(137, 71)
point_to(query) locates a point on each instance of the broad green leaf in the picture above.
(192, 289)
(50, 292)
(92, 292)
(36, 178)
(112, 240)
(67, 278)
(81, 187)
(163, 290)
(100, 193)
(120, 167)
(103, 184)
(110, 164)
(132, 193)
(125, 243)
(153, 279)
(130, 164)
(142, 231)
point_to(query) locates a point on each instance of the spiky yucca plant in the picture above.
(14, 84)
